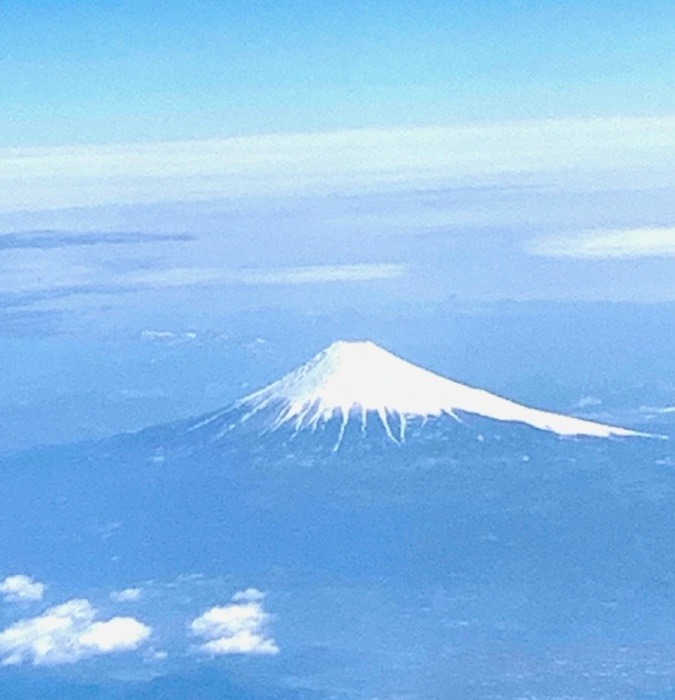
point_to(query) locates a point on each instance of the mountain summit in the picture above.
(360, 381)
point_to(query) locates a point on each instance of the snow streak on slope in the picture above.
(360, 379)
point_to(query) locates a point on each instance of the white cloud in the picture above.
(20, 587)
(239, 628)
(59, 274)
(67, 633)
(128, 595)
(117, 634)
(608, 244)
(588, 402)
(656, 410)
(250, 595)
(343, 161)
(312, 274)
(169, 336)
(325, 273)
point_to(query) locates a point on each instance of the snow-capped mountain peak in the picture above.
(362, 381)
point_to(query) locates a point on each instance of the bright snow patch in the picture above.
(362, 379)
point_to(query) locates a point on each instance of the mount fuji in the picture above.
(359, 388)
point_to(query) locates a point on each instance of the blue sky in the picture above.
(173, 158)
(109, 72)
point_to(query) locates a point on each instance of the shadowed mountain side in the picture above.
(420, 510)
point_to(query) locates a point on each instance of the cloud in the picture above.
(170, 336)
(588, 402)
(347, 161)
(312, 274)
(19, 588)
(60, 239)
(68, 633)
(658, 410)
(609, 244)
(128, 595)
(239, 628)
(250, 595)
(51, 279)
(27, 322)
(329, 273)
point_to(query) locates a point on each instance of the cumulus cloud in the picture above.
(67, 633)
(128, 595)
(608, 244)
(238, 628)
(20, 588)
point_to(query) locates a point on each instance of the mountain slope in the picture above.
(361, 382)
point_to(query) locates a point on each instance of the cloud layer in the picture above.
(342, 161)
(403, 213)
(68, 633)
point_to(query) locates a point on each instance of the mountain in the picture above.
(360, 384)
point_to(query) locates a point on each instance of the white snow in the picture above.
(362, 378)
